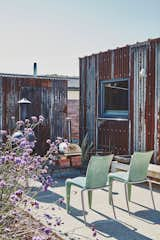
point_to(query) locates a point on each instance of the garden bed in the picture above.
(19, 224)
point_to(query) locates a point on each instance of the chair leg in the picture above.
(110, 191)
(129, 187)
(90, 199)
(114, 213)
(68, 192)
(126, 194)
(150, 187)
(82, 198)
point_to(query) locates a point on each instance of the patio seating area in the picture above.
(143, 222)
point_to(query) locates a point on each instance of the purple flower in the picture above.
(26, 154)
(60, 201)
(14, 198)
(28, 130)
(48, 141)
(19, 193)
(3, 132)
(57, 142)
(35, 204)
(35, 177)
(2, 159)
(27, 121)
(45, 187)
(34, 119)
(20, 123)
(19, 160)
(41, 119)
(36, 238)
(93, 228)
(59, 221)
(49, 180)
(46, 230)
(2, 184)
(29, 150)
(11, 158)
(48, 216)
(23, 143)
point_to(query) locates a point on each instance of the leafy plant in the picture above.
(86, 147)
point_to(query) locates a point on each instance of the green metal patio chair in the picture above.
(96, 178)
(137, 173)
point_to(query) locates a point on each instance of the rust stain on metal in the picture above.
(141, 129)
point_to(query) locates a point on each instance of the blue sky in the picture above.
(55, 33)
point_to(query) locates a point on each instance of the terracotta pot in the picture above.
(64, 162)
(76, 161)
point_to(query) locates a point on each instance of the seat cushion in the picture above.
(78, 181)
(119, 176)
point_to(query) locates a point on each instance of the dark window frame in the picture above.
(113, 113)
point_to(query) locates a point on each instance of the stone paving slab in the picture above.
(142, 224)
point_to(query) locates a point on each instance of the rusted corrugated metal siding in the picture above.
(82, 107)
(115, 65)
(157, 102)
(144, 121)
(121, 62)
(138, 97)
(150, 100)
(73, 114)
(142, 128)
(131, 101)
(93, 70)
(88, 103)
(105, 65)
(48, 98)
(112, 136)
(91, 99)
(59, 107)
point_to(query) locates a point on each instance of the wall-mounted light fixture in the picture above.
(23, 107)
(142, 73)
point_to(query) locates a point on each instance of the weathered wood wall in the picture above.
(141, 130)
(73, 114)
(48, 98)
(88, 103)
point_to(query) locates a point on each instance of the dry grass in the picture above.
(18, 225)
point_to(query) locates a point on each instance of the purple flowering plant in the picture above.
(18, 164)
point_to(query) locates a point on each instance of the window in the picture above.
(114, 99)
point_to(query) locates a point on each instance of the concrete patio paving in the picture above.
(143, 223)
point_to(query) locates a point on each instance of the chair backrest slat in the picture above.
(139, 166)
(97, 171)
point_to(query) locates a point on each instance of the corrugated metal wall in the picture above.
(139, 100)
(73, 114)
(88, 95)
(142, 128)
(48, 98)
(82, 107)
(157, 102)
(115, 65)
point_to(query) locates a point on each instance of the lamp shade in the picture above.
(24, 101)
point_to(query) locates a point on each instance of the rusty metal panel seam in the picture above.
(157, 100)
